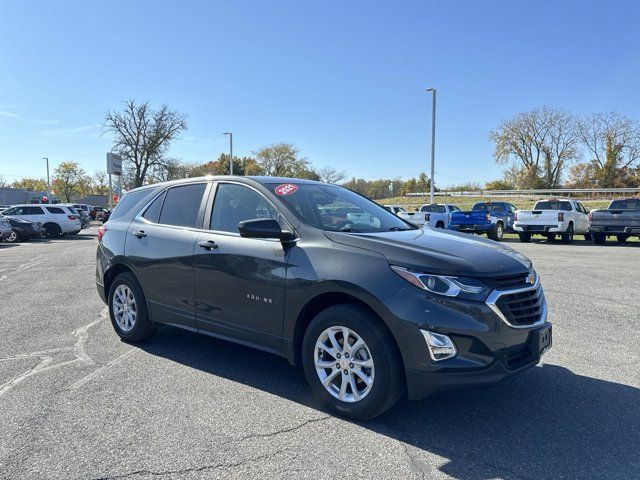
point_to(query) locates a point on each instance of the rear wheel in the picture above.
(524, 237)
(551, 237)
(440, 225)
(52, 230)
(622, 238)
(351, 363)
(13, 237)
(588, 236)
(128, 309)
(567, 236)
(599, 238)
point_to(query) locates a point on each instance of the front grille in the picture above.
(522, 308)
(508, 282)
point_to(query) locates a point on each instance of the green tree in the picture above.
(284, 160)
(241, 166)
(70, 182)
(32, 184)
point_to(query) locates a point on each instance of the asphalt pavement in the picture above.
(76, 402)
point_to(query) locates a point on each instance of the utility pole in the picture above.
(433, 142)
(48, 182)
(230, 152)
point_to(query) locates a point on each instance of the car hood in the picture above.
(440, 252)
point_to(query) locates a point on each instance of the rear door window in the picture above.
(32, 211)
(630, 204)
(182, 205)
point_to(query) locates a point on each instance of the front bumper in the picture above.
(489, 349)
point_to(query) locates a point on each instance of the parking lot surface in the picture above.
(76, 402)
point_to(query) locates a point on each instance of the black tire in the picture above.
(13, 237)
(388, 384)
(52, 230)
(143, 327)
(622, 238)
(551, 237)
(599, 238)
(567, 236)
(588, 237)
(524, 237)
(497, 232)
(440, 225)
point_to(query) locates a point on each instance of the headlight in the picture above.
(461, 287)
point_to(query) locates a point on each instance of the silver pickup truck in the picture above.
(621, 219)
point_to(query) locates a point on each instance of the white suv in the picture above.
(56, 219)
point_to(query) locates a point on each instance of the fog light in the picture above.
(440, 346)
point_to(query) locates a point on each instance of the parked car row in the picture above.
(550, 218)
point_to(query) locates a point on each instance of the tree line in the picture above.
(549, 147)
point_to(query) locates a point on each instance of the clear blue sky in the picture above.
(343, 80)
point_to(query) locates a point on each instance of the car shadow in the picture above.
(545, 423)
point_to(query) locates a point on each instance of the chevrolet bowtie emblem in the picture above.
(531, 278)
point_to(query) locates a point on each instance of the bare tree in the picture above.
(99, 183)
(142, 136)
(331, 175)
(613, 141)
(541, 142)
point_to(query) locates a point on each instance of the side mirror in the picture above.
(264, 228)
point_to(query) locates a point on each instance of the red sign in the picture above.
(44, 200)
(286, 189)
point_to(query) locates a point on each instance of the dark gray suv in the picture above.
(370, 306)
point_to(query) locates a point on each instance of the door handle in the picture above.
(139, 234)
(208, 244)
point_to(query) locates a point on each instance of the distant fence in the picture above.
(537, 192)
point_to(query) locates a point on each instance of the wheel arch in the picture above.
(113, 271)
(323, 301)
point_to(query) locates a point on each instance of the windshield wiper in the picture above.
(350, 230)
(399, 229)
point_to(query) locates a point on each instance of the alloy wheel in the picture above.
(344, 364)
(124, 308)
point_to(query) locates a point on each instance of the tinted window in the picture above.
(334, 208)
(128, 201)
(453, 208)
(553, 205)
(32, 211)
(153, 211)
(236, 203)
(13, 211)
(56, 210)
(181, 205)
(487, 207)
(440, 209)
(629, 204)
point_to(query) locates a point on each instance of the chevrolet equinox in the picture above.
(369, 305)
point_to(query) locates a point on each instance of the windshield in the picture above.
(336, 209)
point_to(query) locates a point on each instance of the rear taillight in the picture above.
(515, 217)
(101, 231)
(72, 217)
(488, 217)
(561, 216)
(591, 216)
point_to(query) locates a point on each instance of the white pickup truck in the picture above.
(435, 215)
(552, 217)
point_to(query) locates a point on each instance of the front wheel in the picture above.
(52, 230)
(13, 237)
(551, 237)
(599, 238)
(351, 362)
(128, 309)
(622, 238)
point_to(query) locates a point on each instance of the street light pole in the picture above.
(48, 182)
(230, 152)
(433, 142)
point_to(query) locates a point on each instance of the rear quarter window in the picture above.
(55, 210)
(128, 201)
